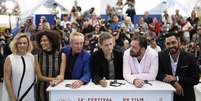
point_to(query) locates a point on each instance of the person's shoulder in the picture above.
(127, 51)
(65, 49)
(29, 54)
(9, 56)
(117, 53)
(96, 53)
(151, 51)
(85, 53)
(163, 52)
(187, 55)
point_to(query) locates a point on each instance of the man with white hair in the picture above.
(77, 61)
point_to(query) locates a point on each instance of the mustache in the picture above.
(172, 48)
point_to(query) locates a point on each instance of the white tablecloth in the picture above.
(159, 91)
(197, 89)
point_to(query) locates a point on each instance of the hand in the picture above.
(179, 89)
(52, 82)
(103, 83)
(13, 99)
(138, 83)
(60, 77)
(169, 78)
(77, 84)
(55, 82)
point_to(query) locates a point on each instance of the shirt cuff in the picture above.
(177, 78)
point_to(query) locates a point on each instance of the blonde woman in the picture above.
(19, 76)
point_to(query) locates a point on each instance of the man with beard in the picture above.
(139, 63)
(178, 68)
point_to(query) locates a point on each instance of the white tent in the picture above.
(32, 7)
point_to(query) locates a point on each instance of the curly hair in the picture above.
(52, 36)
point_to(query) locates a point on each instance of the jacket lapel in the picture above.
(169, 63)
(179, 61)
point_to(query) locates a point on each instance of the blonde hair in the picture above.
(13, 43)
(73, 34)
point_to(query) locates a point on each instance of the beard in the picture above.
(173, 50)
(133, 54)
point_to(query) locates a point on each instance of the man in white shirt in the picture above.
(65, 21)
(153, 45)
(139, 63)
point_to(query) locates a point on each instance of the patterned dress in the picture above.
(49, 65)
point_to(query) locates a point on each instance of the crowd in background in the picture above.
(120, 26)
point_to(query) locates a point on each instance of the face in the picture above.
(107, 46)
(77, 44)
(115, 19)
(172, 44)
(177, 11)
(126, 45)
(199, 30)
(193, 13)
(41, 20)
(135, 48)
(141, 20)
(153, 44)
(65, 18)
(97, 28)
(93, 16)
(22, 45)
(45, 43)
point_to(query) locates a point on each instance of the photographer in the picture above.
(142, 27)
(66, 33)
(90, 42)
(43, 25)
(123, 35)
(131, 9)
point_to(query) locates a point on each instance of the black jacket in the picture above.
(187, 72)
(100, 68)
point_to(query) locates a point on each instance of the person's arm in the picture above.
(86, 70)
(62, 66)
(127, 71)
(7, 78)
(94, 69)
(161, 72)
(60, 77)
(193, 78)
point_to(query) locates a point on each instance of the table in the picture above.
(159, 91)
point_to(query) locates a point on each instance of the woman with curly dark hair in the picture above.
(50, 69)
